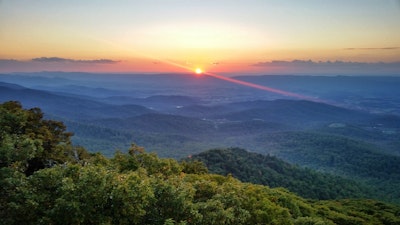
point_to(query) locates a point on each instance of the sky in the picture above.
(219, 36)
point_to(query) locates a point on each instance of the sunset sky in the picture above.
(220, 36)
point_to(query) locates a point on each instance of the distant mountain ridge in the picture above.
(225, 124)
(294, 112)
(66, 106)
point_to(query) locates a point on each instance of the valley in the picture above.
(177, 115)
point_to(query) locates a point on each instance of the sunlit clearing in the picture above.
(198, 71)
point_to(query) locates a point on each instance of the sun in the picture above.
(198, 71)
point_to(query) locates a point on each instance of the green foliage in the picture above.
(141, 188)
(334, 154)
(194, 166)
(311, 221)
(268, 170)
(343, 156)
(30, 143)
(101, 193)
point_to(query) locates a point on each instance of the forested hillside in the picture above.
(46, 180)
(341, 156)
(273, 172)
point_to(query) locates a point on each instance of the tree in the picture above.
(194, 167)
(28, 142)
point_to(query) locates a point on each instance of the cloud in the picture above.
(101, 61)
(54, 64)
(64, 60)
(50, 59)
(384, 48)
(330, 67)
(4, 61)
(10, 62)
(322, 63)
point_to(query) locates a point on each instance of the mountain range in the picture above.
(349, 132)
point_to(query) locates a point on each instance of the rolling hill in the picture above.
(271, 171)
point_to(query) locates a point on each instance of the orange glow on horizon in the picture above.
(248, 84)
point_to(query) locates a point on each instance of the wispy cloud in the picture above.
(2, 61)
(54, 64)
(384, 48)
(11, 62)
(330, 67)
(62, 60)
(322, 63)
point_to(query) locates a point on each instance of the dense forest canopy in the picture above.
(269, 170)
(46, 180)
